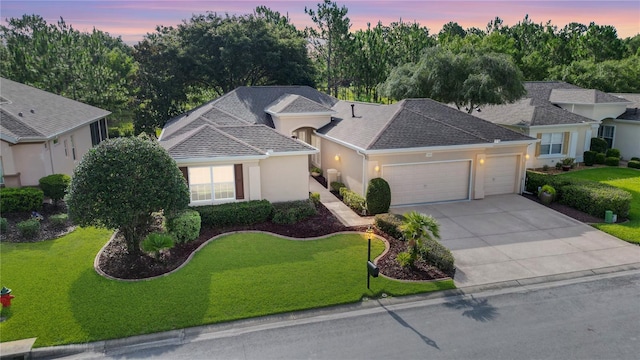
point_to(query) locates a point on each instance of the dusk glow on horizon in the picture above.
(131, 20)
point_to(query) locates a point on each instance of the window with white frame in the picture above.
(211, 183)
(551, 143)
(606, 132)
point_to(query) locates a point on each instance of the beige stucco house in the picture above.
(623, 132)
(563, 117)
(259, 142)
(42, 133)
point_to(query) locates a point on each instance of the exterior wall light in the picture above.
(481, 161)
(337, 157)
(377, 168)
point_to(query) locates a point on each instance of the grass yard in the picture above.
(623, 178)
(60, 299)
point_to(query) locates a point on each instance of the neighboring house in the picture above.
(562, 116)
(42, 133)
(623, 132)
(258, 139)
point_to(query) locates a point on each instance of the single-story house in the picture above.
(259, 142)
(562, 116)
(623, 132)
(43, 133)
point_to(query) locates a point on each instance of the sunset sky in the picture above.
(133, 19)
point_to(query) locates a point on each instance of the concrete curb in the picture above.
(183, 336)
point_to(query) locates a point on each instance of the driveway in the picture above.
(508, 237)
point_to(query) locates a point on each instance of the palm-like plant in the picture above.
(416, 227)
(156, 243)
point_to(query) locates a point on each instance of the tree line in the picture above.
(177, 67)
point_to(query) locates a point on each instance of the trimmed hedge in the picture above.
(184, 226)
(390, 224)
(634, 164)
(58, 220)
(378, 196)
(291, 212)
(240, 213)
(589, 157)
(29, 228)
(595, 198)
(353, 200)
(635, 159)
(4, 224)
(612, 161)
(55, 186)
(20, 199)
(600, 157)
(435, 253)
(613, 153)
(598, 145)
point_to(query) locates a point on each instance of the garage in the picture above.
(428, 182)
(500, 175)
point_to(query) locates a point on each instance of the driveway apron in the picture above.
(508, 237)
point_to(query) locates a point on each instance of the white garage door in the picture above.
(500, 175)
(428, 182)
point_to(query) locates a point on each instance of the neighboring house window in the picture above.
(1, 172)
(212, 183)
(66, 148)
(315, 158)
(98, 131)
(55, 141)
(606, 132)
(73, 148)
(551, 143)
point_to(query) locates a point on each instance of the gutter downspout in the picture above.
(364, 185)
(50, 149)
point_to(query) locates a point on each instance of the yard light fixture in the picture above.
(337, 157)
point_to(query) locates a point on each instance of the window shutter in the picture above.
(539, 136)
(239, 182)
(185, 173)
(565, 143)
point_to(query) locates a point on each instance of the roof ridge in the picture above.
(452, 126)
(190, 133)
(377, 136)
(230, 114)
(229, 136)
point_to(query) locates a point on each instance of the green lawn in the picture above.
(60, 299)
(623, 178)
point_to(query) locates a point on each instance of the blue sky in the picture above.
(133, 19)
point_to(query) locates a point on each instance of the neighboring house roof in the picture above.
(412, 123)
(537, 107)
(632, 112)
(30, 114)
(297, 104)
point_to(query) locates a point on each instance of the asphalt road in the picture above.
(577, 319)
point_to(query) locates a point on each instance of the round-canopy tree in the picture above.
(121, 182)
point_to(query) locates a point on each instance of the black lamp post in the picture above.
(372, 269)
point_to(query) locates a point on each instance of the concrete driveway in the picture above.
(510, 238)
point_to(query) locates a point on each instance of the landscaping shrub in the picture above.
(4, 224)
(20, 199)
(315, 197)
(635, 159)
(59, 220)
(184, 226)
(558, 165)
(352, 200)
(55, 186)
(612, 161)
(336, 186)
(390, 224)
(404, 259)
(29, 228)
(156, 242)
(598, 145)
(595, 198)
(634, 164)
(589, 157)
(378, 196)
(535, 180)
(438, 255)
(291, 212)
(600, 158)
(545, 167)
(613, 153)
(240, 213)
(547, 189)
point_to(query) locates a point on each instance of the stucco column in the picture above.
(478, 189)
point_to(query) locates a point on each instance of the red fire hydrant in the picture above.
(5, 297)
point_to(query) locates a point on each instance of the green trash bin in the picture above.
(608, 217)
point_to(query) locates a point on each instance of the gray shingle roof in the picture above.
(414, 123)
(529, 112)
(44, 114)
(296, 104)
(562, 92)
(207, 142)
(632, 112)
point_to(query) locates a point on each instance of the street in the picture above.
(597, 318)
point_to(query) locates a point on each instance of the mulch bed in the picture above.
(47, 229)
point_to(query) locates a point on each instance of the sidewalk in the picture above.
(337, 207)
